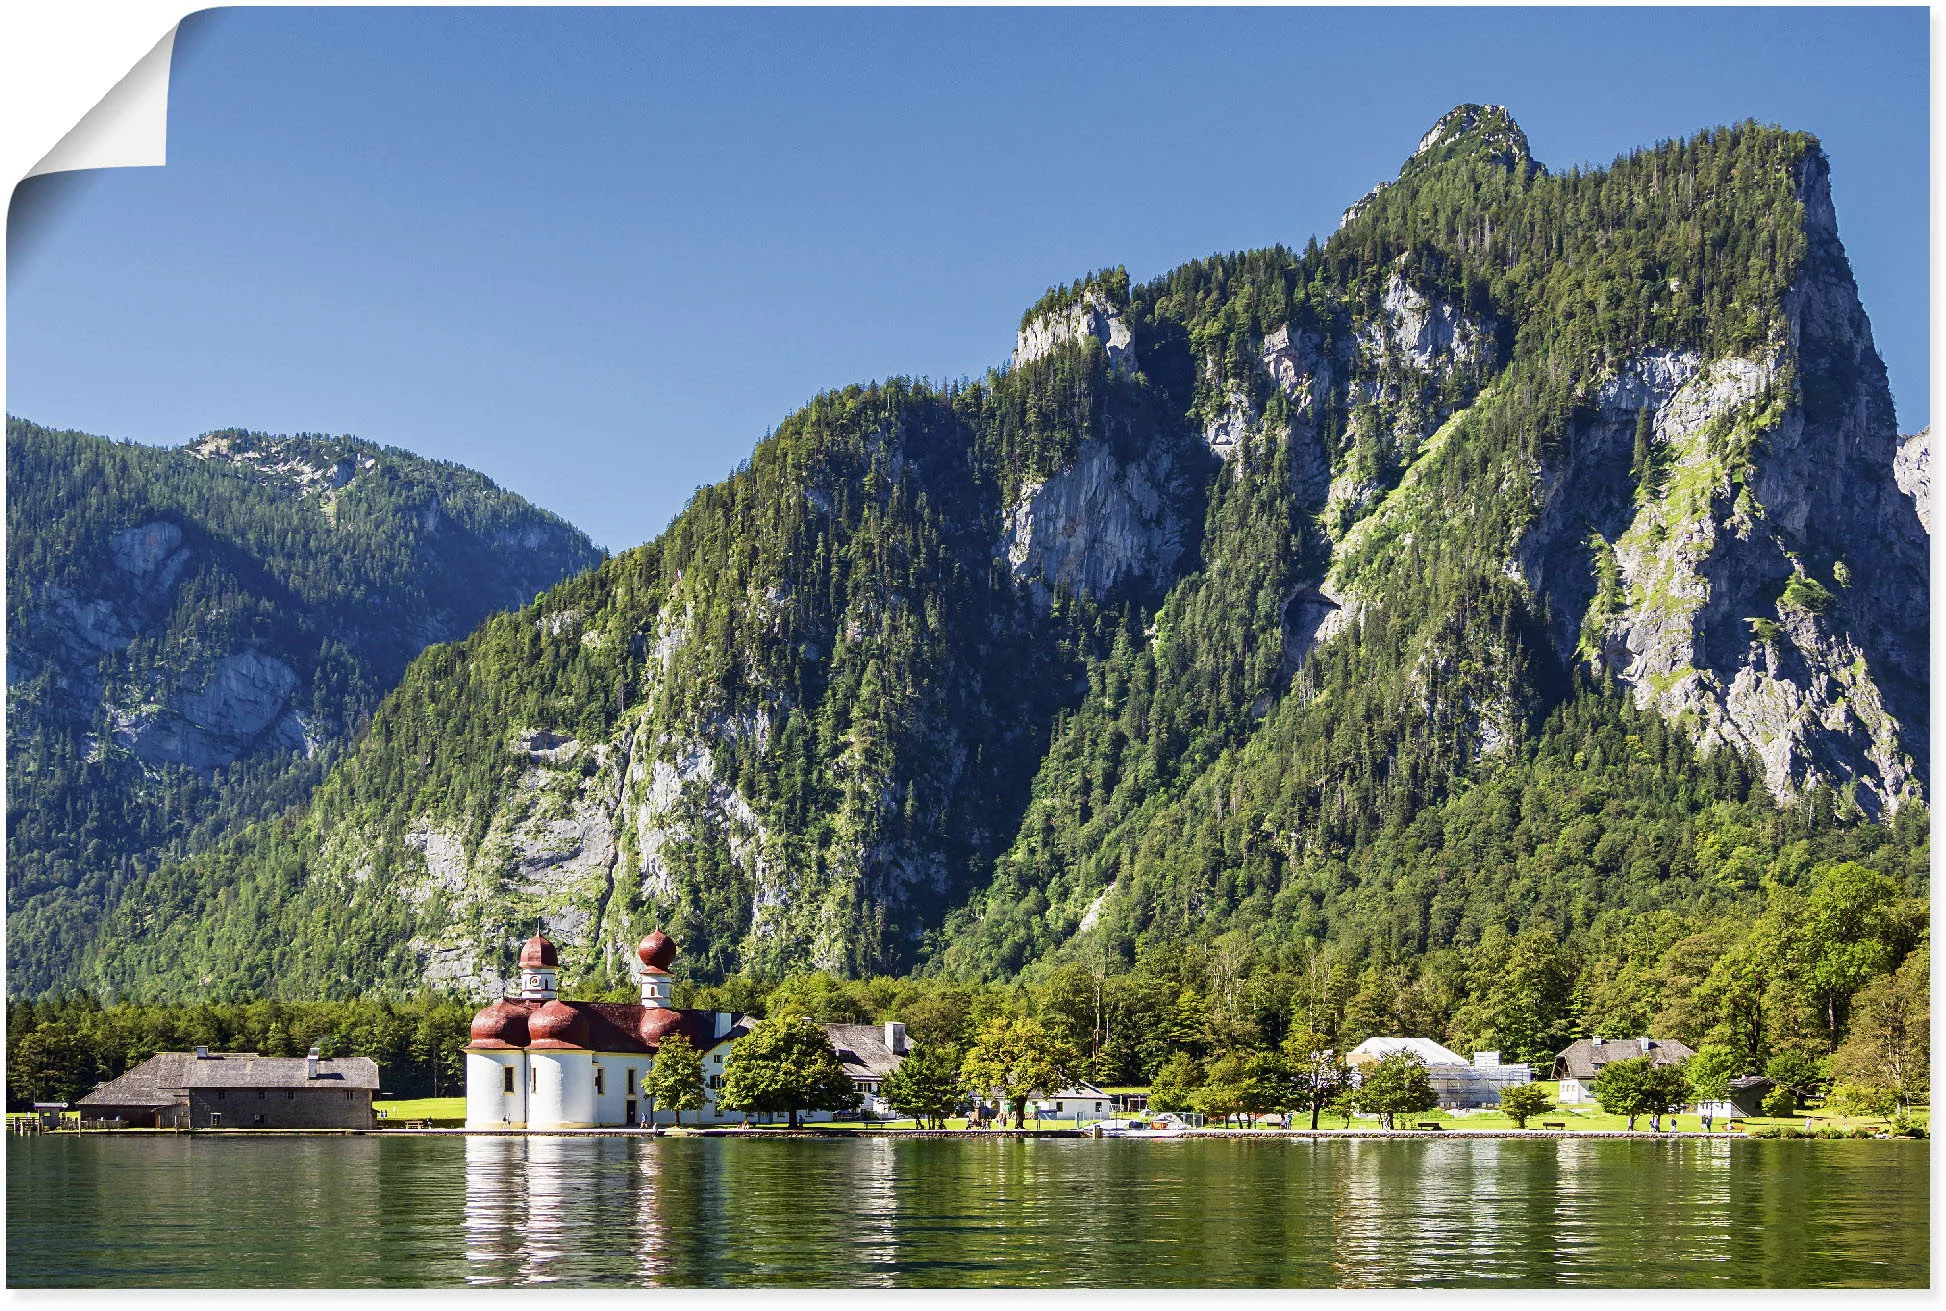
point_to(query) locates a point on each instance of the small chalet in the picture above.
(1577, 1066)
(1743, 1099)
(239, 1090)
(1084, 1098)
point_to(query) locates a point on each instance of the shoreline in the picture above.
(963, 1134)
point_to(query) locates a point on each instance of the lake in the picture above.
(453, 1212)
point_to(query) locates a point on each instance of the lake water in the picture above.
(419, 1211)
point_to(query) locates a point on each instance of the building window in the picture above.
(219, 1094)
(629, 1081)
(533, 1079)
(507, 1079)
(290, 1094)
(347, 1096)
(600, 1085)
(261, 1094)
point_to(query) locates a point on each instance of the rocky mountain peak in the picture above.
(304, 463)
(1478, 131)
(1096, 306)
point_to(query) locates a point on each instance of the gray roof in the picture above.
(862, 1051)
(167, 1077)
(1073, 1091)
(1584, 1059)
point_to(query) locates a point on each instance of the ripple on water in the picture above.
(501, 1212)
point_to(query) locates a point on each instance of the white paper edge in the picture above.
(128, 127)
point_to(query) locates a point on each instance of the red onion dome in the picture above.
(657, 950)
(657, 1022)
(503, 1024)
(539, 953)
(556, 1024)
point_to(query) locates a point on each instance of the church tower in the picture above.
(658, 988)
(539, 970)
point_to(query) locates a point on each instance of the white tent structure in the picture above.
(1458, 1081)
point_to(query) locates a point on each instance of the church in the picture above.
(538, 1062)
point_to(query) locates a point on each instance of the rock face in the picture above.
(241, 706)
(1913, 469)
(1099, 523)
(1091, 316)
(1766, 585)
(1427, 335)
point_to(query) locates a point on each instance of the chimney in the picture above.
(311, 1064)
(1646, 1044)
(895, 1037)
(202, 1053)
(725, 1020)
(1596, 1041)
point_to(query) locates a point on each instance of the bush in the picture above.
(1525, 1101)
(1781, 1103)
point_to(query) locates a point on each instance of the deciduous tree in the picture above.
(674, 1079)
(786, 1064)
(1318, 1075)
(1013, 1059)
(1524, 1101)
(925, 1086)
(1398, 1084)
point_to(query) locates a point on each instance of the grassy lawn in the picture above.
(444, 1112)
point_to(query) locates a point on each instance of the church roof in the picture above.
(602, 1026)
(539, 953)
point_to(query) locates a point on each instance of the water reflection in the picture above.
(775, 1213)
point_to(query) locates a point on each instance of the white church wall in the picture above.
(488, 1104)
(618, 1088)
(561, 1090)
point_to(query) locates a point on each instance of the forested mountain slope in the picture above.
(193, 635)
(1528, 554)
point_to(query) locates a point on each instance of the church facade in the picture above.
(536, 1061)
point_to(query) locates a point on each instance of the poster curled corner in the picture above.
(128, 128)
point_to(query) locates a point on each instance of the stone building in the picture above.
(239, 1090)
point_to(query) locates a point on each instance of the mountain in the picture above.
(194, 635)
(1533, 552)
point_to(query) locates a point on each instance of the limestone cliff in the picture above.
(1913, 469)
(1098, 523)
(1092, 315)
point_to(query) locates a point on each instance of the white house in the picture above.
(538, 1062)
(1083, 1098)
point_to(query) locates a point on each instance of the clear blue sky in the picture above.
(598, 253)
